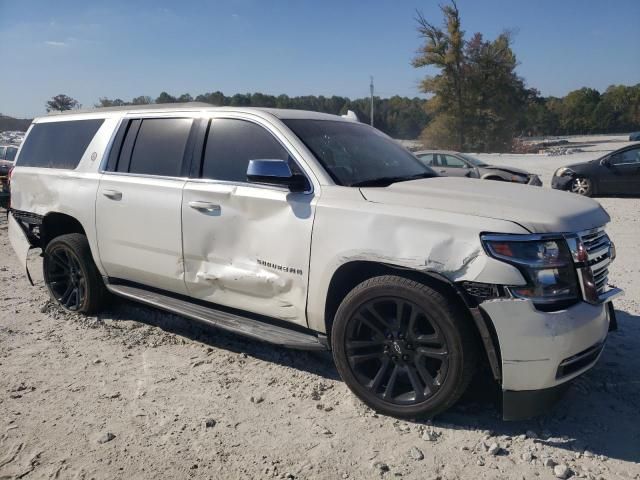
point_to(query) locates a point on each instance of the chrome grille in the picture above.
(598, 248)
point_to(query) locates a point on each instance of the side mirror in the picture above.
(276, 172)
(606, 162)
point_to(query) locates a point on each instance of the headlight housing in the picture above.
(546, 264)
(564, 172)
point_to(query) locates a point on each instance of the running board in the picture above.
(231, 322)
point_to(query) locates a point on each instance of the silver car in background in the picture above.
(456, 164)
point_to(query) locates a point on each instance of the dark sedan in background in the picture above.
(7, 159)
(455, 164)
(617, 173)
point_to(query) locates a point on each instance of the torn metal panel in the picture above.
(20, 243)
(349, 229)
(551, 338)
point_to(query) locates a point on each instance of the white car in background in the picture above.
(456, 164)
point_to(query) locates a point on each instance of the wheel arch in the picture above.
(492, 176)
(350, 274)
(55, 224)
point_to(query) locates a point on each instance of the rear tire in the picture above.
(71, 275)
(402, 347)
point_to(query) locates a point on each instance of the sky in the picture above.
(91, 49)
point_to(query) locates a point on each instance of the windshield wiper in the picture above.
(386, 181)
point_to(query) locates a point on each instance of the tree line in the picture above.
(399, 117)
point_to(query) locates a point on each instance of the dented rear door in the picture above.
(246, 246)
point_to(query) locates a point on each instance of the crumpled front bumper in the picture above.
(561, 183)
(542, 351)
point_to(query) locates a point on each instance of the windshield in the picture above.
(475, 161)
(355, 154)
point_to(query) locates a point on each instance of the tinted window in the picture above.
(630, 156)
(59, 144)
(159, 146)
(2, 152)
(11, 153)
(230, 146)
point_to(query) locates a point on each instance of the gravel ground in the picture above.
(137, 393)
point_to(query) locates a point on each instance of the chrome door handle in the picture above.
(206, 207)
(112, 194)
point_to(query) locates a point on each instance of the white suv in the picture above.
(317, 232)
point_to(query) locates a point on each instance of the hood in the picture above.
(539, 210)
(516, 171)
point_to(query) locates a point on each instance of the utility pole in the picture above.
(371, 88)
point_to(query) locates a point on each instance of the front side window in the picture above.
(630, 156)
(355, 154)
(451, 161)
(58, 144)
(428, 159)
(232, 143)
(158, 148)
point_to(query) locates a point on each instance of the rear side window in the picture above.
(232, 143)
(59, 144)
(11, 153)
(155, 146)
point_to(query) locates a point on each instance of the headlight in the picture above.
(564, 172)
(546, 264)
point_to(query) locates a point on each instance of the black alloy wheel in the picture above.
(404, 348)
(65, 278)
(396, 352)
(71, 275)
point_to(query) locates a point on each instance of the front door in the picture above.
(452, 166)
(622, 174)
(138, 204)
(246, 246)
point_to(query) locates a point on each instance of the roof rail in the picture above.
(145, 107)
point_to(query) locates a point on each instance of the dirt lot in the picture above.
(136, 393)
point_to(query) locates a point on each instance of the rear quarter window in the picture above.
(58, 144)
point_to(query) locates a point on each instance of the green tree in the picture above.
(444, 49)
(476, 97)
(142, 100)
(164, 97)
(61, 103)
(107, 102)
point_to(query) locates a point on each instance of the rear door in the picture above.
(246, 245)
(138, 202)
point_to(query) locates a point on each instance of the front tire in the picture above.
(71, 275)
(402, 347)
(582, 186)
